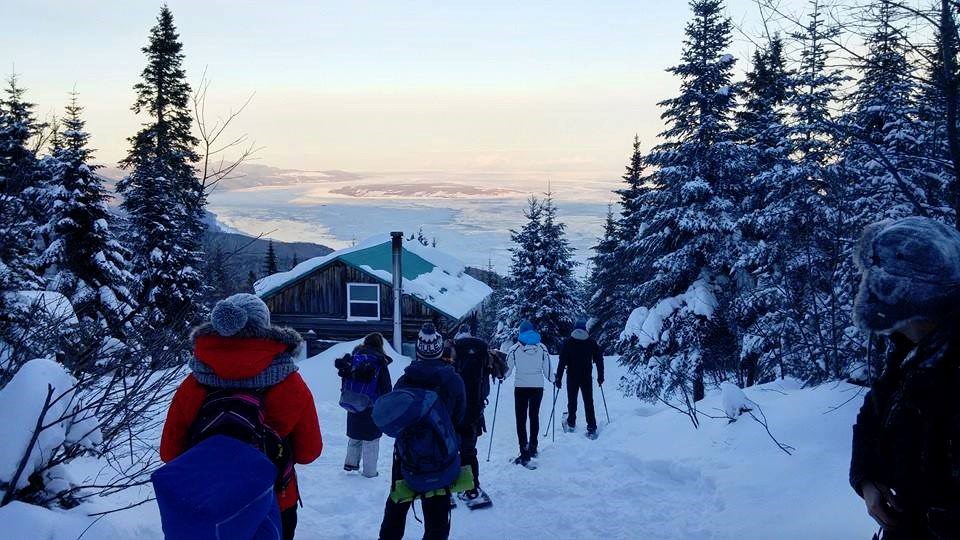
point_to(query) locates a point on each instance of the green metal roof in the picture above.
(380, 257)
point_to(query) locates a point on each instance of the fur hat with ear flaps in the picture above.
(910, 270)
(239, 348)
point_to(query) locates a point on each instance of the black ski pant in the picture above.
(436, 518)
(436, 514)
(584, 387)
(288, 522)
(527, 404)
(468, 450)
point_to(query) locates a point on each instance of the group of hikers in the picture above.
(244, 385)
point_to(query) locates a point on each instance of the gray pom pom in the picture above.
(228, 318)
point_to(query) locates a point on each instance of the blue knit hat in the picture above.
(526, 333)
(429, 343)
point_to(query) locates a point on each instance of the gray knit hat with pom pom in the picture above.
(234, 313)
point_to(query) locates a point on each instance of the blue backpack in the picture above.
(358, 391)
(426, 443)
(202, 494)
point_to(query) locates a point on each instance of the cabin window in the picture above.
(363, 302)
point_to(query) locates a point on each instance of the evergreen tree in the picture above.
(295, 260)
(518, 302)
(251, 282)
(883, 151)
(83, 260)
(604, 287)
(687, 240)
(270, 266)
(760, 302)
(21, 188)
(557, 290)
(162, 195)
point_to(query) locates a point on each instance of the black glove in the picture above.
(600, 380)
(558, 383)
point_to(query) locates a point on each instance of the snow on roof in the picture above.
(436, 278)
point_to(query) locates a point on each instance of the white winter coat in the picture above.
(531, 364)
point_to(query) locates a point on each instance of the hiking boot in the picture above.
(351, 468)
(532, 451)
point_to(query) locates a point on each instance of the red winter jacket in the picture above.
(289, 405)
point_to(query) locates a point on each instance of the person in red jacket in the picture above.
(239, 348)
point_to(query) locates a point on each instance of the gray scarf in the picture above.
(278, 370)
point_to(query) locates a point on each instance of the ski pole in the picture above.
(496, 404)
(605, 409)
(553, 414)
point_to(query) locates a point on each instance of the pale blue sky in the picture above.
(385, 85)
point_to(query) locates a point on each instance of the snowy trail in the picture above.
(650, 475)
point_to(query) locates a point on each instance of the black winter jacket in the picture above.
(578, 356)
(907, 435)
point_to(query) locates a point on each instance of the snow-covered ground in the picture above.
(650, 475)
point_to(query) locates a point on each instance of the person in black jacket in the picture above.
(906, 441)
(578, 355)
(432, 373)
(362, 432)
(472, 360)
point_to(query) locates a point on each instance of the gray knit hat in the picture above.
(234, 313)
(429, 343)
(910, 269)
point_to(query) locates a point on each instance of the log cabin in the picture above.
(349, 293)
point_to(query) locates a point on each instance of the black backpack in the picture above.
(239, 413)
(472, 361)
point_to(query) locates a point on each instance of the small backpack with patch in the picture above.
(426, 442)
(239, 413)
(358, 390)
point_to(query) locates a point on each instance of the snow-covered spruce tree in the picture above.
(541, 286)
(628, 257)
(821, 236)
(688, 238)
(518, 302)
(83, 260)
(270, 266)
(883, 150)
(760, 305)
(21, 200)
(162, 195)
(20, 183)
(604, 287)
(802, 229)
(556, 288)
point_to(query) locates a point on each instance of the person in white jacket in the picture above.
(530, 360)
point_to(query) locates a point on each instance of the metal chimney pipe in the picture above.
(397, 290)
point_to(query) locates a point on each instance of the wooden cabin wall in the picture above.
(324, 294)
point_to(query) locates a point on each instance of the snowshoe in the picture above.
(525, 461)
(592, 434)
(475, 499)
(567, 428)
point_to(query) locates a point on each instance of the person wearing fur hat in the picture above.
(905, 463)
(239, 350)
(429, 372)
(577, 356)
(530, 360)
